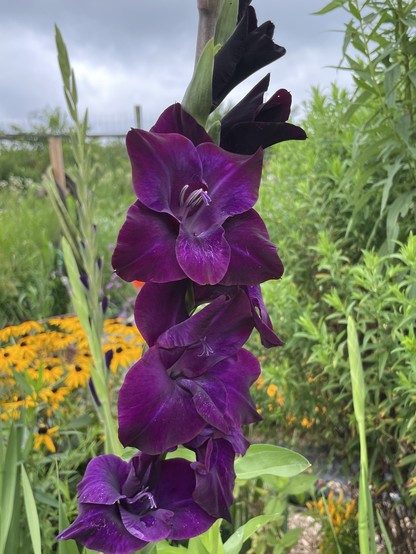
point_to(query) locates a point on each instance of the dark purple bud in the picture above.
(84, 280)
(94, 393)
(104, 304)
(247, 50)
(108, 356)
(99, 263)
(252, 124)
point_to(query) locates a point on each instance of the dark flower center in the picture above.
(42, 430)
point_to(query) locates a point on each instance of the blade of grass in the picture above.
(8, 486)
(31, 513)
(365, 509)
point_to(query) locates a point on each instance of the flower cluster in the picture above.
(195, 240)
(44, 365)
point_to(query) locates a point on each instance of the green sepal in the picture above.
(198, 96)
(227, 21)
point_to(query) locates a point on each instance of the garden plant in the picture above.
(134, 416)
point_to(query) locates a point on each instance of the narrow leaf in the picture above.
(31, 513)
(8, 485)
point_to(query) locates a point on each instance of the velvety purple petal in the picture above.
(100, 528)
(103, 480)
(254, 257)
(204, 258)
(151, 527)
(145, 248)
(215, 332)
(247, 137)
(261, 317)
(173, 491)
(162, 165)
(209, 398)
(237, 374)
(159, 307)
(155, 414)
(176, 120)
(215, 478)
(233, 181)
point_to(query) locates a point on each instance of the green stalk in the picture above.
(80, 248)
(366, 533)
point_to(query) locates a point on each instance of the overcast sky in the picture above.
(128, 52)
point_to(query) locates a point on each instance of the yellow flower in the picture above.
(271, 390)
(77, 375)
(45, 436)
(124, 356)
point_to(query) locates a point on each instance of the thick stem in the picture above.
(208, 15)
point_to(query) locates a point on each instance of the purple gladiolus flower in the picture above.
(247, 50)
(196, 375)
(193, 217)
(176, 120)
(126, 505)
(252, 123)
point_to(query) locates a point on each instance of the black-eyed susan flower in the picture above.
(45, 436)
(78, 375)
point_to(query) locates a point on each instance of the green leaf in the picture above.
(384, 533)
(182, 452)
(163, 547)
(69, 546)
(198, 96)
(335, 4)
(357, 376)
(267, 459)
(63, 58)
(31, 513)
(235, 542)
(208, 542)
(8, 485)
(227, 21)
(78, 295)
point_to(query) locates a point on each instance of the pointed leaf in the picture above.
(8, 485)
(235, 542)
(31, 513)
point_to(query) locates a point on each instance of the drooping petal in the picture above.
(100, 528)
(215, 477)
(233, 181)
(151, 527)
(254, 257)
(103, 480)
(146, 247)
(262, 320)
(209, 398)
(155, 414)
(159, 307)
(173, 491)
(162, 165)
(176, 120)
(204, 258)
